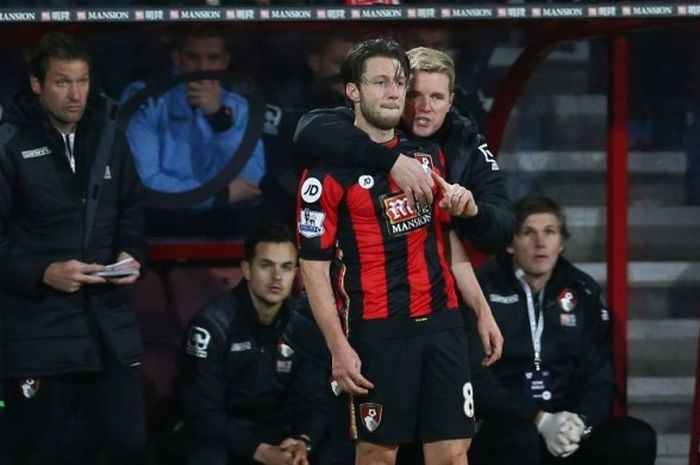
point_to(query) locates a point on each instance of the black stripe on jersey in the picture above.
(398, 287)
(352, 281)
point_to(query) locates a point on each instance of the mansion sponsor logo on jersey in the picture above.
(400, 217)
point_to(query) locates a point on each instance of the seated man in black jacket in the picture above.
(250, 391)
(550, 395)
(330, 135)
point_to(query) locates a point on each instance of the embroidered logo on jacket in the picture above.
(241, 346)
(29, 387)
(197, 342)
(504, 299)
(36, 153)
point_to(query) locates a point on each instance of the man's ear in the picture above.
(452, 99)
(35, 84)
(510, 250)
(352, 92)
(245, 267)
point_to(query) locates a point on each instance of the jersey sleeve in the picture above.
(319, 199)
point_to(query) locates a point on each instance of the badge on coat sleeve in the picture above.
(371, 414)
(197, 342)
(567, 300)
(29, 387)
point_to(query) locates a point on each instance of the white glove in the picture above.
(561, 432)
(573, 427)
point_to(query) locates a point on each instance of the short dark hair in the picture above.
(178, 38)
(531, 205)
(275, 233)
(55, 45)
(353, 67)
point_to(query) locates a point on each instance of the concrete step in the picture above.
(655, 233)
(672, 449)
(558, 121)
(662, 348)
(657, 289)
(578, 178)
(664, 402)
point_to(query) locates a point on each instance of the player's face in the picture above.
(381, 94)
(271, 273)
(64, 92)
(537, 245)
(427, 102)
(202, 54)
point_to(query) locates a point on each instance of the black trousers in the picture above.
(618, 441)
(87, 418)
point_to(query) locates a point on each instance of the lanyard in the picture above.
(536, 327)
(68, 139)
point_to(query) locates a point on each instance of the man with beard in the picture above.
(329, 134)
(388, 306)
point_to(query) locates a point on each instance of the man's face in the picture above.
(271, 273)
(327, 64)
(202, 54)
(64, 92)
(381, 94)
(427, 102)
(537, 245)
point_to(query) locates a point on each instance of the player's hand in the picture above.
(413, 180)
(347, 370)
(70, 275)
(131, 265)
(268, 454)
(297, 448)
(491, 337)
(205, 94)
(241, 189)
(456, 200)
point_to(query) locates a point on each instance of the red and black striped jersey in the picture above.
(393, 258)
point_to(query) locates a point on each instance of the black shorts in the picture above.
(422, 389)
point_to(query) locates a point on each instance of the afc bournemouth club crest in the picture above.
(567, 300)
(371, 416)
(29, 387)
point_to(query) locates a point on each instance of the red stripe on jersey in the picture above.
(418, 278)
(372, 255)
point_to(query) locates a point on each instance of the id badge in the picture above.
(537, 385)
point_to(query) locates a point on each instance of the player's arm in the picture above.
(471, 164)
(331, 136)
(469, 288)
(346, 363)
(320, 196)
